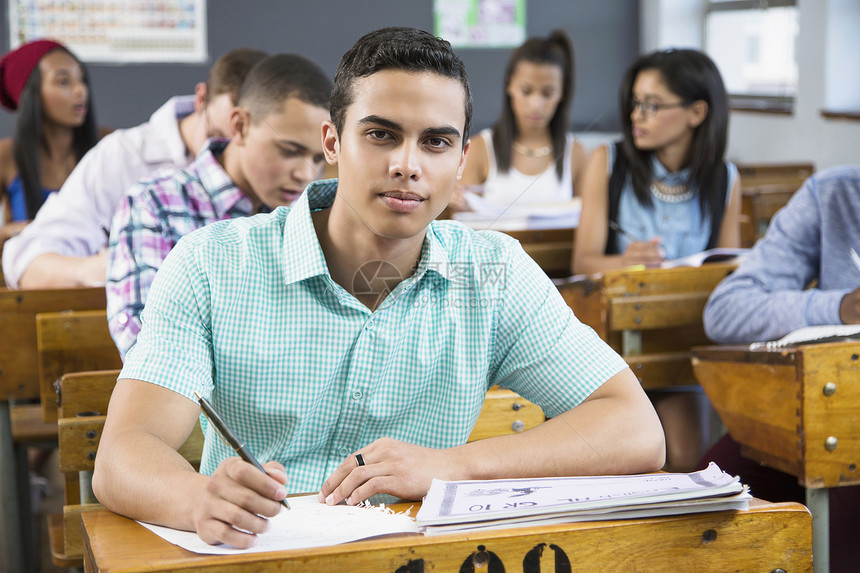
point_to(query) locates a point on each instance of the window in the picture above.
(754, 44)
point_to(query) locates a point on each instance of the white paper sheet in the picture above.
(307, 524)
(468, 501)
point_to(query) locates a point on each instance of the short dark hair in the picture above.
(691, 75)
(396, 48)
(282, 76)
(557, 50)
(229, 71)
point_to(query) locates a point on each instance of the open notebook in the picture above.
(710, 256)
(812, 334)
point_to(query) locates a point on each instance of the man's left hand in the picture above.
(393, 467)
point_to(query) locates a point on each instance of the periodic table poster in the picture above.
(115, 31)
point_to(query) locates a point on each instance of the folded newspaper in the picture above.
(490, 504)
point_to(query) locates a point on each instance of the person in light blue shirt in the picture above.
(811, 239)
(350, 340)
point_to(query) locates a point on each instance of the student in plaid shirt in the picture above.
(350, 340)
(274, 153)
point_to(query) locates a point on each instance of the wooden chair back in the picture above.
(84, 398)
(71, 341)
(505, 412)
(755, 174)
(652, 317)
(551, 249)
(766, 188)
(19, 371)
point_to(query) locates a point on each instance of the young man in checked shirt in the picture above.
(355, 323)
(274, 153)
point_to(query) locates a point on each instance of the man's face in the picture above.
(281, 152)
(217, 114)
(400, 152)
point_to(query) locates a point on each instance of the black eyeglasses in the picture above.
(650, 108)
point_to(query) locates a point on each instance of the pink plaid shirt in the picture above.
(149, 221)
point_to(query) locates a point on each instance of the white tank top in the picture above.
(517, 188)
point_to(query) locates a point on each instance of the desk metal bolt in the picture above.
(830, 443)
(778, 571)
(480, 559)
(518, 426)
(829, 389)
(516, 406)
(709, 536)
(91, 456)
(638, 320)
(637, 306)
(91, 434)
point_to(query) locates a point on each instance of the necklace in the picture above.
(670, 193)
(528, 152)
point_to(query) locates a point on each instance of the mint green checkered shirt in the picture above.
(245, 313)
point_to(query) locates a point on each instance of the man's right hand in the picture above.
(237, 500)
(849, 310)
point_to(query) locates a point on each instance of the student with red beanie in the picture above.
(49, 88)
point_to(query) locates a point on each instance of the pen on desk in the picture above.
(619, 229)
(855, 258)
(231, 438)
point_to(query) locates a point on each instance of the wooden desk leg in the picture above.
(818, 502)
(13, 536)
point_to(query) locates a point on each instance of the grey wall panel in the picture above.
(605, 36)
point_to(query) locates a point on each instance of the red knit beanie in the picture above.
(16, 67)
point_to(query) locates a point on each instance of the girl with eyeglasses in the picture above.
(49, 88)
(529, 156)
(665, 191)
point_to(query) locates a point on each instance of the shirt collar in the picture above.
(301, 244)
(660, 172)
(307, 259)
(227, 199)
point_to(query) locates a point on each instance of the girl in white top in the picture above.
(528, 156)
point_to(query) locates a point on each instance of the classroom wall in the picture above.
(605, 35)
(803, 135)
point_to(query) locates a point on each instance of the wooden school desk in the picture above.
(651, 317)
(767, 537)
(796, 410)
(22, 425)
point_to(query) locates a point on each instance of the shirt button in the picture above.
(123, 319)
(356, 395)
(343, 452)
(370, 324)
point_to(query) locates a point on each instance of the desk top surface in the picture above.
(778, 534)
(787, 355)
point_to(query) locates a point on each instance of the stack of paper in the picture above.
(812, 334)
(517, 217)
(473, 505)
